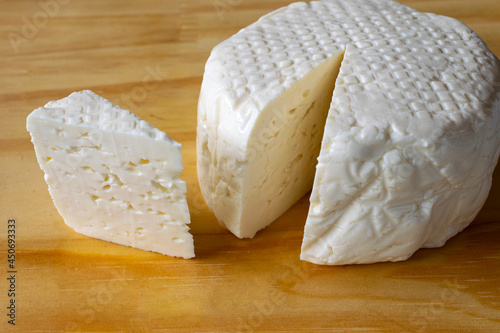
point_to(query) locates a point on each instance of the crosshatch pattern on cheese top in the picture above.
(266, 58)
(99, 113)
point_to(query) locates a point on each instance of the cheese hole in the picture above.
(116, 180)
(178, 240)
(48, 158)
(106, 187)
(132, 168)
(134, 171)
(204, 148)
(143, 161)
(159, 186)
(305, 93)
(88, 169)
(132, 209)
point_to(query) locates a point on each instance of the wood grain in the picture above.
(149, 57)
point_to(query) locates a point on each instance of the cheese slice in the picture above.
(411, 135)
(112, 175)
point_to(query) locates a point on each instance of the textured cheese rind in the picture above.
(112, 175)
(408, 154)
(381, 193)
(411, 138)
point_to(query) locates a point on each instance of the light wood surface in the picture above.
(69, 282)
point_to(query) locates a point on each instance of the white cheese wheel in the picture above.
(112, 175)
(411, 103)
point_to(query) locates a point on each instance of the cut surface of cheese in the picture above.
(411, 136)
(297, 118)
(112, 175)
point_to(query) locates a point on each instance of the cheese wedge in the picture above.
(411, 105)
(112, 175)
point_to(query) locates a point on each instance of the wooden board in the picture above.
(149, 56)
